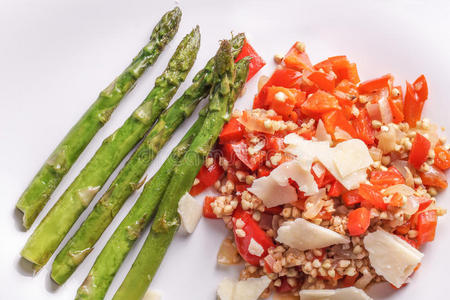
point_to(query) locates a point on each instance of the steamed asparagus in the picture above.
(167, 220)
(67, 152)
(51, 231)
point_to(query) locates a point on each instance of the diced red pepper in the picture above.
(274, 210)
(358, 221)
(396, 200)
(426, 226)
(349, 281)
(351, 198)
(335, 119)
(297, 60)
(239, 150)
(232, 131)
(386, 178)
(336, 189)
(413, 106)
(283, 100)
(197, 189)
(274, 143)
(340, 65)
(207, 177)
(372, 197)
(240, 187)
(255, 64)
(424, 202)
(285, 287)
(396, 106)
(324, 81)
(207, 209)
(263, 171)
(363, 127)
(373, 85)
(419, 151)
(421, 88)
(434, 177)
(442, 157)
(252, 231)
(318, 103)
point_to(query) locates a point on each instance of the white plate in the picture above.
(57, 55)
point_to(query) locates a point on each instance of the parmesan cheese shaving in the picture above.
(190, 212)
(350, 293)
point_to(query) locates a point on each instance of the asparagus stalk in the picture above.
(80, 245)
(167, 220)
(50, 232)
(120, 243)
(67, 152)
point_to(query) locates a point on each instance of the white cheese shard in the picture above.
(152, 295)
(347, 162)
(255, 248)
(350, 293)
(304, 235)
(190, 212)
(225, 291)
(249, 289)
(271, 192)
(321, 133)
(391, 257)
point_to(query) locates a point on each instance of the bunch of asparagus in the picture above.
(221, 79)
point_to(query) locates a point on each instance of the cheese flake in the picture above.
(190, 212)
(351, 156)
(255, 248)
(251, 288)
(225, 291)
(152, 295)
(350, 293)
(391, 257)
(304, 235)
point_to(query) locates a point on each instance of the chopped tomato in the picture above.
(419, 151)
(296, 59)
(426, 226)
(358, 221)
(232, 131)
(318, 103)
(324, 81)
(386, 178)
(442, 157)
(376, 84)
(255, 64)
(252, 231)
(372, 197)
(413, 106)
(434, 177)
(363, 127)
(284, 77)
(336, 189)
(207, 176)
(421, 88)
(207, 209)
(351, 198)
(335, 119)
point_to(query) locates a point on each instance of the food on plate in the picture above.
(190, 212)
(248, 289)
(152, 295)
(327, 182)
(129, 177)
(67, 152)
(51, 231)
(175, 179)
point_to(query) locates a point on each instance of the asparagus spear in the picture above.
(67, 152)
(167, 220)
(120, 243)
(128, 179)
(50, 232)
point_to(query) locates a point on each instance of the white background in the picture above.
(55, 56)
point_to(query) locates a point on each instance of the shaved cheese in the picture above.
(341, 134)
(350, 293)
(391, 257)
(152, 295)
(275, 189)
(321, 133)
(304, 235)
(351, 156)
(314, 204)
(225, 291)
(255, 248)
(190, 212)
(251, 288)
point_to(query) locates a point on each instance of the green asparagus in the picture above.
(50, 232)
(128, 179)
(120, 243)
(67, 152)
(167, 220)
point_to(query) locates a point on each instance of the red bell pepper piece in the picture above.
(419, 151)
(363, 127)
(297, 60)
(318, 103)
(240, 150)
(207, 209)
(335, 119)
(442, 157)
(351, 198)
(340, 65)
(283, 100)
(336, 189)
(197, 189)
(413, 105)
(396, 106)
(421, 88)
(386, 178)
(426, 226)
(207, 177)
(373, 85)
(285, 287)
(324, 81)
(252, 231)
(424, 202)
(232, 131)
(372, 197)
(434, 177)
(255, 64)
(349, 281)
(263, 171)
(358, 221)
